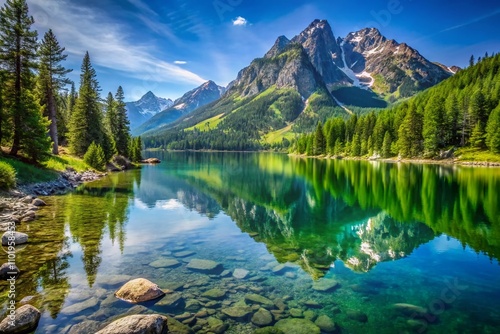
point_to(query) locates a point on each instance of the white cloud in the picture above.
(240, 21)
(180, 62)
(82, 29)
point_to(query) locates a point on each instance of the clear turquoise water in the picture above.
(387, 233)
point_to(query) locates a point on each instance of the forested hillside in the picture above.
(462, 111)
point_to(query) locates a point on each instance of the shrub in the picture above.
(7, 176)
(95, 157)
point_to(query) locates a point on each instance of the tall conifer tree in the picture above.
(51, 80)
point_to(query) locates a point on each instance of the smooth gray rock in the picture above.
(138, 324)
(139, 290)
(17, 237)
(26, 320)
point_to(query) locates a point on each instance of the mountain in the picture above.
(193, 99)
(148, 106)
(386, 66)
(302, 81)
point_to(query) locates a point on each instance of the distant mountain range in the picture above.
(200, 96)
(299, 82)
(148, 106)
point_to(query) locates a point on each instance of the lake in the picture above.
(375, 247)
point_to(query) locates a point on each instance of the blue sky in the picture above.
(172, 46)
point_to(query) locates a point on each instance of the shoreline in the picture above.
(444, 162)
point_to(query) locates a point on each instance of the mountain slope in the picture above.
(387, 66)
(193, 99)
(145, 108)
(301, 81)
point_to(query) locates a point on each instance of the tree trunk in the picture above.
(51, 105)
(17, 98)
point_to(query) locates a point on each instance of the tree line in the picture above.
(38, 112)
(463, 111)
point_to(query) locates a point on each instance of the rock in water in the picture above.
(410, 309)
(204, 266)
(326, 324)
(258, 299)
(357, 315)
(7, 268)
(325, 285)
(240, 273)
(268, 330)
(139, 290)
(138, 324)
(262, 318)
(237, 312)
(27, 318)
(165, 263)
(297, 326)
(38, 202)
(216, 294)
(17, 237)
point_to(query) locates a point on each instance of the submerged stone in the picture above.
(204, 266)
(326, 324)
(255, 298)
(215, 294)
(184, 254)
(240, 273)
(325, 285)
(268, 330)
(138, 324)
(262, 318)
(357, 315)
(80, 307)
(297, 326)
(165, 263)
(237, 312)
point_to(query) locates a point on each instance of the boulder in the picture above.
(325, 285)
(410, 310)
(204, 266)
(8, 270)
(297, 326)
(238, 312)
(80, 307)
(38, 202)
(26, 320)
(173, 300)
(138, 324)
(258, 299)
(17, 237)
(262, 318)
(151, 161)
(326, 324)
(240, 273)
(215, 294)
(139, 290)
(357, 315)
(165, 263)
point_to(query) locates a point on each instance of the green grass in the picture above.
(208, 124)
(278, 135)
(475, 154)
(26, 173)
(47, 171)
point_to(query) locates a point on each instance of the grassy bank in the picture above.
(47, 171)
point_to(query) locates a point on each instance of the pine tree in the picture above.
(122, 134)
(51, 80)
(18, 53)
(72, 96)
(410, 134)
(95, 157)
(433, 125)
(471, 61)
(493, 131)
(86, 121)
(386, 146)
(319, 141)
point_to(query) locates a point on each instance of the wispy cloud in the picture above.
(240, 21)
(180, 62)
(477, 19)
(80, 29)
